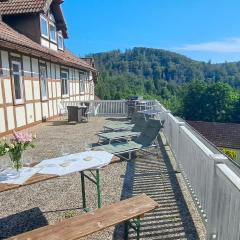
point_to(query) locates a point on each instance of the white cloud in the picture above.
(229, 45)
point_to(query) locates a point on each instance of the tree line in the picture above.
(192, 89)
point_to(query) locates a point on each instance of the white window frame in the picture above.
(64, 94)
(60, 36)
(45, 19)
(19, 73)
(51, 24)
(43, 97)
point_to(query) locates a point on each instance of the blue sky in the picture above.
(200, 29)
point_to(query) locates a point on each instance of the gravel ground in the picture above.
(51, 201)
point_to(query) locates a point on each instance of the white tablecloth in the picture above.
(61, 166)
(24, 174)
(75, 162)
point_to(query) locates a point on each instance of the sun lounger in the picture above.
(134, 132)
(119, 126)
(144, 141)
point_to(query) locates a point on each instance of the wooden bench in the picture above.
(80, 226)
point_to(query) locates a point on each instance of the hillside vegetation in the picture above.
(170, 77)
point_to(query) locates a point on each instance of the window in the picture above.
(64, 80)
(52, 32)
(43, 82)
(44, 26)
(60, 41)
(82, 78)
(17, 80)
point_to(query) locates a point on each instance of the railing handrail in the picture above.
(214, 181)
(106, 108)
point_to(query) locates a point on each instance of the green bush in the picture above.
(230, 153)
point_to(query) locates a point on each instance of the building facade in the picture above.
(36, 71)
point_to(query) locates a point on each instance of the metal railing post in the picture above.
(212, 200)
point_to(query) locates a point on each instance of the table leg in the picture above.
(84, 192)
(98, 188)
(138, 226)
(126, 226)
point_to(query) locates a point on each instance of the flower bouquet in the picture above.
(16, 146)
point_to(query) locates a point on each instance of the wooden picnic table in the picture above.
(43, 177)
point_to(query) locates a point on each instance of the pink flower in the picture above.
(20, 137)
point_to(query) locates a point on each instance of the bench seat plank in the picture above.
(86, 224)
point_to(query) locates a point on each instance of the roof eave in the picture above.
(36, 53)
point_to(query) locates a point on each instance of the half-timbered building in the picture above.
(36, 70)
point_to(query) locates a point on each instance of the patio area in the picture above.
(48, 202)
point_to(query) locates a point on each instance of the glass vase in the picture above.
(16, 159)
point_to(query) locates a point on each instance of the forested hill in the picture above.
(155, 71)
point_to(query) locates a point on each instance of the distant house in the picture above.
(222, 135)
(36, 71)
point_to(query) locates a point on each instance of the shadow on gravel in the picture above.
(155, 176)
(21, 222)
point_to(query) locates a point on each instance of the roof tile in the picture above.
(220, 134)
(22, 6)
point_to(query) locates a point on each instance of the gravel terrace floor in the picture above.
(51, 201)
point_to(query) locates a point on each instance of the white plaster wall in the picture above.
(90, 76)
(49, 75)
(54, 89)
(53, 46)
(86, 87)
(10, 117)
(71, 88)
(77, 88)
(1, 95)
(35, 67)
(30, 113)
(5, 63)
(57, 71)
(28, 90)
(36, 90)
(76, 74)
(54, 107)
(44, 42)
(2, 121)
(26, 66)
(49, 88)
(8, 90)
(38, 111)
(20, 116)
(70, 70)
(53, 71)
(45, 109)
(50, 108)
(58, 86)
